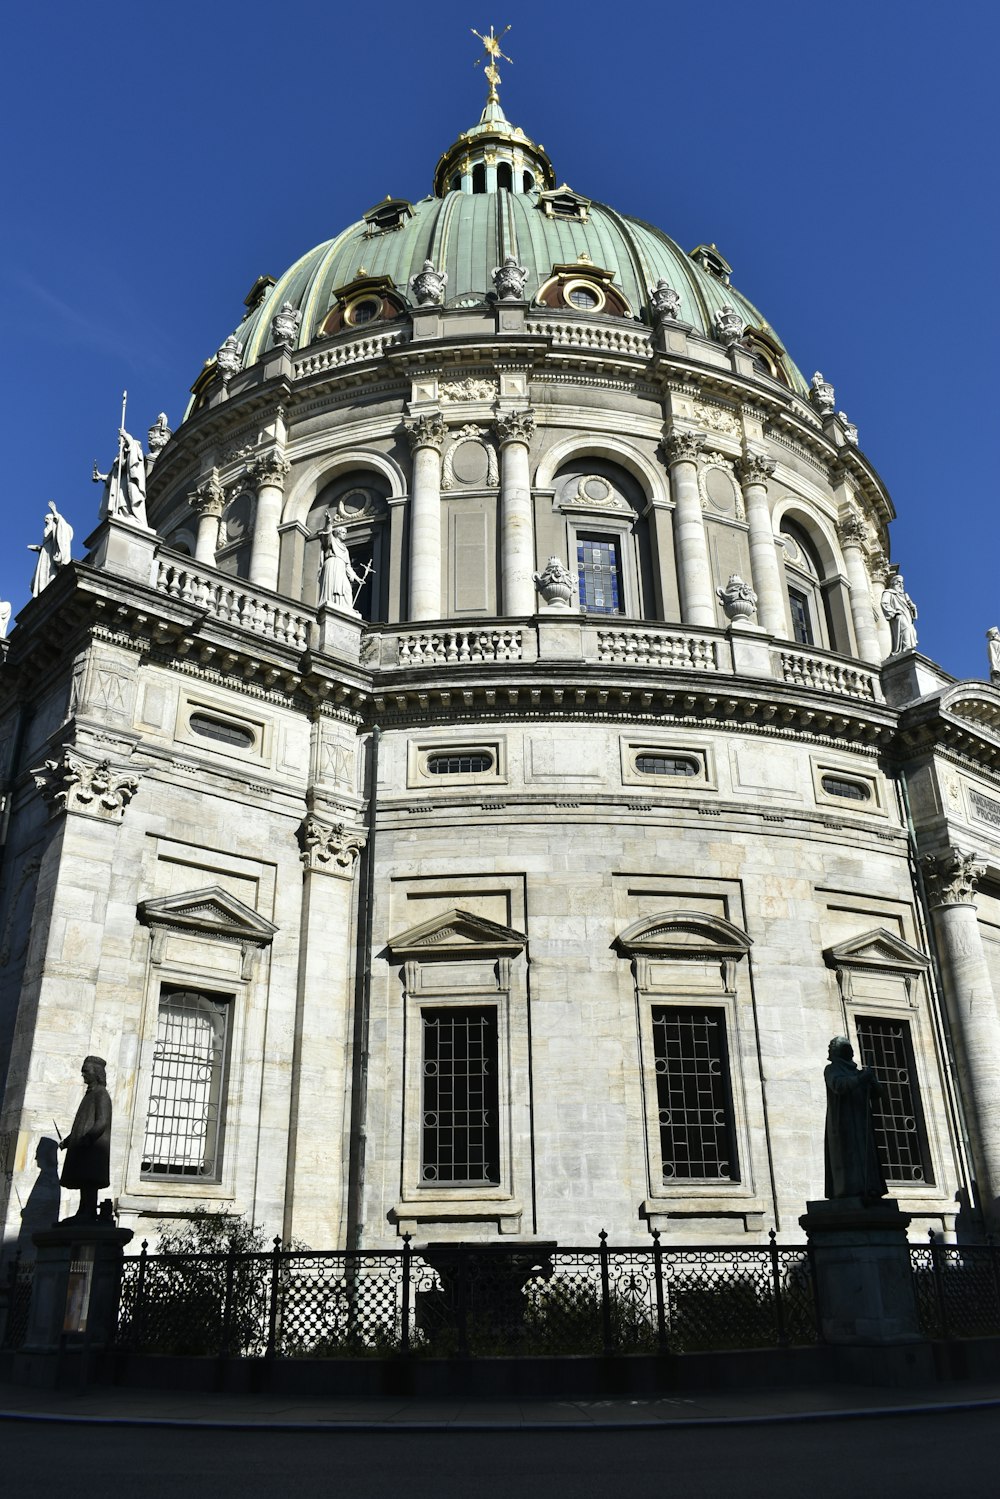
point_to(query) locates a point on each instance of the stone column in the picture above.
(318, 1152)
(208, 500)
(753, 470)
(852, 538)
(951, 879)
(517, 544)
(426, 435)
(693, 568)
(268, 475)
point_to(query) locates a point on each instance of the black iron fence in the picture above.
(468, 1300)
(15, 1302)
(957, 1288)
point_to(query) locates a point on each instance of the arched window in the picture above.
(479, 178)
(355, 501)
(606, 538)
(804, 578)
(529, 182)
(505, 176)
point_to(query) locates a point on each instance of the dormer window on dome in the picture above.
(708, 257)
(391, 213)
(767, 353)
(584, 287)
(256, 294)
(366, 299)
(564, 203)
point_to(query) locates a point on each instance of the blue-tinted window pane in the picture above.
(600, 574)
(802, 630)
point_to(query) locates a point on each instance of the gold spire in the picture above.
(491, 44)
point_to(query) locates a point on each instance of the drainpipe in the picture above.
(362, 1012)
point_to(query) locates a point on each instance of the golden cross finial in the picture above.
(491, 43)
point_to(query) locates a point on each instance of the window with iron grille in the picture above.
(668, 765)
(900, 1137)
(600, 573)
(475, 762)
(460, 1136)
(184, 1123)
(697, 1140)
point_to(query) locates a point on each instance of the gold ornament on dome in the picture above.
(491, 44)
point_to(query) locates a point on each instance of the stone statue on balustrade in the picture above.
(53, 551)
(993, 647)
(5, 612)
(335, 571)
(901, 612)
(738, 599)
(87, 1167)
(853, 1168)
(124, 483)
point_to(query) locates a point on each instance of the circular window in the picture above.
(221, 730)
(584, 296)
(477, 762)
(364, 310)
(668, 765)
(852, 791)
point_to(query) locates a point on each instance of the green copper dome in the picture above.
(468, 230)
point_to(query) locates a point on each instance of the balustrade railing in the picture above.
(566, 333)
(821, 675)
(439, 647)
(636, 647)
(233, 603)
(372, 346)
(470, 1300)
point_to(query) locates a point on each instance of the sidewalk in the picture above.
(107, 1405)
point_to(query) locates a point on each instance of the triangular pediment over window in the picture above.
(212, 911)
(454, 932)
(684, 934)
(880, 949)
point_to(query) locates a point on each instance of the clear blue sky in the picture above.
(842, 156)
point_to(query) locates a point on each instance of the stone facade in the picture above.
(262, 858)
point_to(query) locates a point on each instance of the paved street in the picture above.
(938, 1454)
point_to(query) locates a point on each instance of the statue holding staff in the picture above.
(853, 1168)
(335, 571)
(125, 482)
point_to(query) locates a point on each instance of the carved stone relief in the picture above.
(70, 784)
(952, 876)
(329, 848)
(720, 493)
(469, 390)
(470, 461)
(593, 492)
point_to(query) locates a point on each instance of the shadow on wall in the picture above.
(41, 1209)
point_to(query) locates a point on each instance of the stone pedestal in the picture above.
(74, 1297)
(340, 634)
(751, 647)
(120, 546)
(861, 1259)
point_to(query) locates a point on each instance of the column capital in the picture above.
(682, 447)
(754, 467)
(514, 426)
(330, 848)
(952, 877)
(851, 530)
(71, 784)
(271, 470)
(428, 430)
(210, 497)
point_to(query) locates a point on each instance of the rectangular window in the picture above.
(697, 1141)
(600, 573)
(184, 1124)
(460, 1135)
(802, 629)
(900, 1136)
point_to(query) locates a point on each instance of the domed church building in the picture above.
(468, 793)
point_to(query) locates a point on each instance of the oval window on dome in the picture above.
(460, 763)
(586, 298)
(364, 310)
(222, 730)
(850, 790)
(668, 765)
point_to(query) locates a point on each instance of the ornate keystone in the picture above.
(851, 530)
(271, 470)
(229, 359)
(210, 497)
(683, 447)
(664, 302)
(514, 426)
(428, 285)
(158, 436)
(822, 395)
(754, 467)
(427, 431)
(70, 784)
(285, 326)
(330, 848)
(509, 280)
(728, 326)
(555, 584)
(952, 877)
